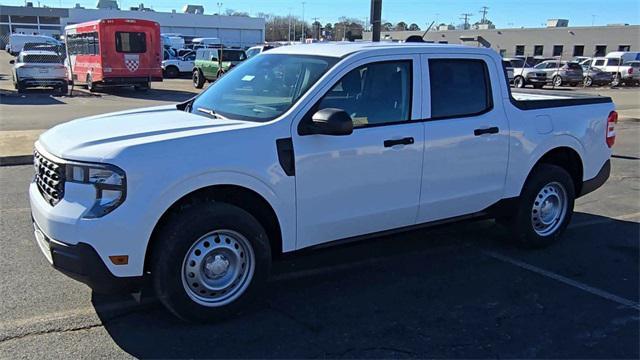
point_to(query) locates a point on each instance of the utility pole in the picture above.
(289, 36)
(316, 28)
(465, 17)
(376, 19)
(304, 33)
(484, 12)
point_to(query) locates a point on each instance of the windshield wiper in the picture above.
(208, 112)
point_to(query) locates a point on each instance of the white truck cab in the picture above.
(302, 146)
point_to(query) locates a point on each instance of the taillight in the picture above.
(611, 131)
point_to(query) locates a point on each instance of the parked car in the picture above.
(509, 69)
(17, 41)
(633, 71)
(561, 72)
(255, 50)
(35, 68)
(621, 73)
(625, 56)
(210, 64)
(175, 67)
(524, 74)
(594, 76)
(302, 146)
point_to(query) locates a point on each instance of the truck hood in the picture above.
(101, 137)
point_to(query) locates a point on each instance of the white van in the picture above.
(17, 41)
(206, 43)
(626, 56)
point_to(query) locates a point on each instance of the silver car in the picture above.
(34, 68)
(561, 72)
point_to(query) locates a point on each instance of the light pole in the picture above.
(289, 36)
(219, 8)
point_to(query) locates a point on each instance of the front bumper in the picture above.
(82, 263)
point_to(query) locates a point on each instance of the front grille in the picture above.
(49, 178)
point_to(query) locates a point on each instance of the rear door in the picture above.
(466, 136)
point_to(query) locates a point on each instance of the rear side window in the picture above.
(574, 66)
(131, 42)
(459, 87)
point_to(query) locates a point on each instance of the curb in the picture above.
(16, 160)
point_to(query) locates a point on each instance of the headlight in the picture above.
(109, 181)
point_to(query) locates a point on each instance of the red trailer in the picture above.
(114, 52)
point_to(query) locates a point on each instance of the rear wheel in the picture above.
(209, 261)
(198, 79)
(557, 81)
(518, 82)
(545, 207)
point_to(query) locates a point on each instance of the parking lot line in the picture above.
(565, 280)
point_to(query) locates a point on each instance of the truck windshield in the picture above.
(263, 87)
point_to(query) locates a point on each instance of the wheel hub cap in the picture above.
(218, 268)
(549, 209)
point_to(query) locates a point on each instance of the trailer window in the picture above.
(131, 42)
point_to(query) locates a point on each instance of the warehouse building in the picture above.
(232, 30)
(560, 40)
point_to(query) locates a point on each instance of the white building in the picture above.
(232, 30)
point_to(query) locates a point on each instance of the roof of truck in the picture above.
(340, 49)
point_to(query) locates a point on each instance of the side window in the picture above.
(599, 62)
(459, 87)
(373, 94)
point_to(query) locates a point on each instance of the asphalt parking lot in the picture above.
(457, 291)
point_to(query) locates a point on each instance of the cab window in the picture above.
(373, 94)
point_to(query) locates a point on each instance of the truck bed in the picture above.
(525, 99)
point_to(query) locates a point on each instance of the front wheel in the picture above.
(557, 81)
(588, 81)
(209, 261)
(545, 207)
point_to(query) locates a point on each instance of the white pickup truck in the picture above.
(305, 145)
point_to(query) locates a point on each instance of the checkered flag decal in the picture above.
(132, 62)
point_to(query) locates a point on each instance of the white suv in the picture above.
(34, 68)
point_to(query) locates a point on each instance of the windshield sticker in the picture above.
(248, 78)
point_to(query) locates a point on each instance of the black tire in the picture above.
(172, 72)
(557, 81)
(521, 224)
(64, 89)
(177, 237)
(519, 82)
(142, 87)
(538, 86)
(198, 79)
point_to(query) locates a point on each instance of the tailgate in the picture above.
(42, 71)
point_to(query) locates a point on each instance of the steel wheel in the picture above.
(218, 268)
(549, 209)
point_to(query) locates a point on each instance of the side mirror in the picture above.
(328, 121)
(12, 61)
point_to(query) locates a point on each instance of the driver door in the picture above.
(368, 181)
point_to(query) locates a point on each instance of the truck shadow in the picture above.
(30, 97)
(426, 293)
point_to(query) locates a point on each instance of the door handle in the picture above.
(403, 141)
(491, 130)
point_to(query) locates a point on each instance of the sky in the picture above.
(503, 13)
